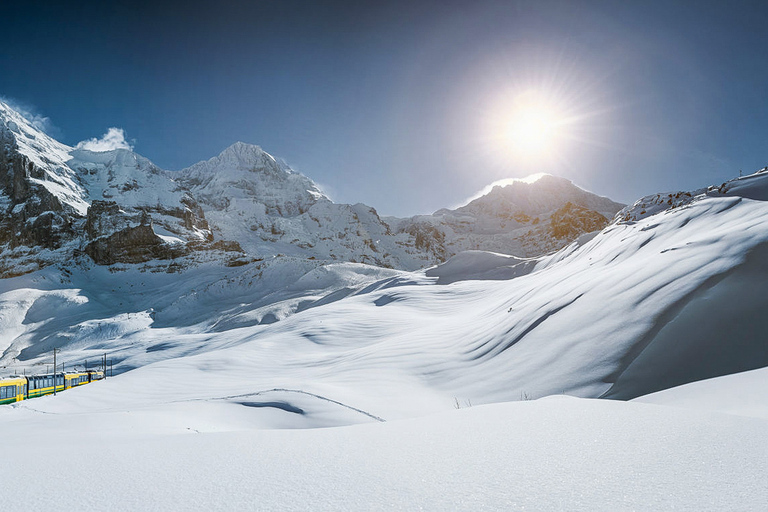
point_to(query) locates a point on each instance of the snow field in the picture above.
(559, 453)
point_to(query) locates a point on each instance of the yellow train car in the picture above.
(17, 388)
(95, 375)
(39, 385)
(72, 380)
(13, 389)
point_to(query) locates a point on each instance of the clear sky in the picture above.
(398, 104)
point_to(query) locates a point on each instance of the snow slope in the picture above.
(558, 453)
(742, 394)
(641, 306)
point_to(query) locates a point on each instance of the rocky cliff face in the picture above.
(57, 202)
(117, 207)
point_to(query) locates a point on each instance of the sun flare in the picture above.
(532, 126)
(532, 129)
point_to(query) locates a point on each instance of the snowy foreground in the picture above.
(287, 384)
(555, 453)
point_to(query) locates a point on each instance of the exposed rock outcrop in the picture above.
(133, 245)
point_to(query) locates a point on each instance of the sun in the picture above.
(532, 126)
(530, 130)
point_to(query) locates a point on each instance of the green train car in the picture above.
(18, 388)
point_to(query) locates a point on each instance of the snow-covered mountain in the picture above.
(250, 197)
(526, 218)
(117, 207)
(57, 201)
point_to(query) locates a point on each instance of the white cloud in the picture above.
(113, 139)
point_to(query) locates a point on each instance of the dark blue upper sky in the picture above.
(386, 102)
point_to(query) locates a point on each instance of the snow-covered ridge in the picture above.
(46, 155)
(52, 198)
(247, 200)
(538, 195)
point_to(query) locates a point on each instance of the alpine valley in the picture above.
(235, 299)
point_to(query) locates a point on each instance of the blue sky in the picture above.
(387, 103)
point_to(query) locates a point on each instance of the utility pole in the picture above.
(54, 371)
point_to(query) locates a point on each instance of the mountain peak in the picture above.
(243, 156)
(536, 194)
(30, 140)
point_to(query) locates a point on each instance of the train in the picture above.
(23, 387)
